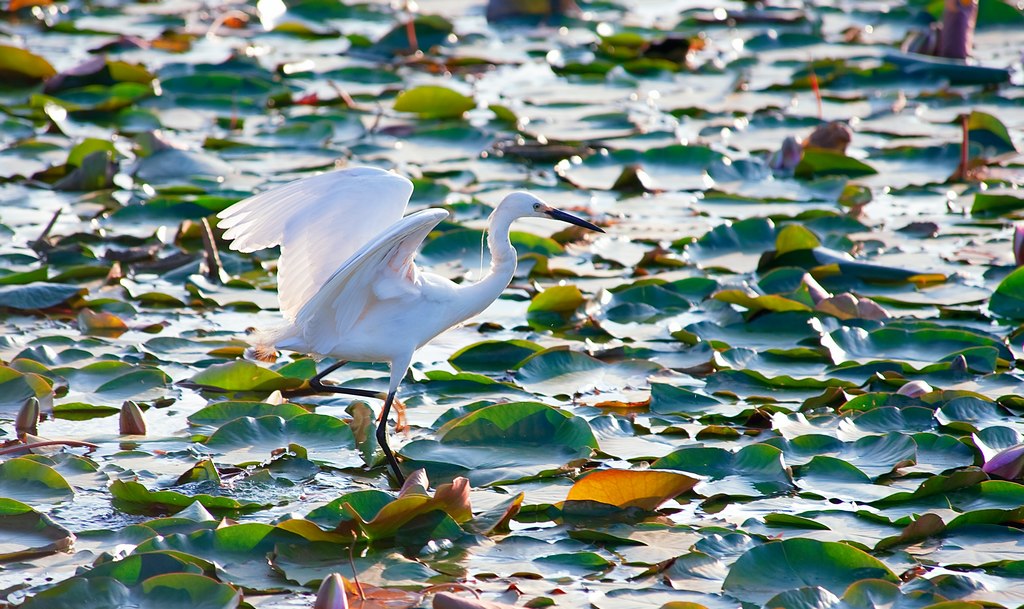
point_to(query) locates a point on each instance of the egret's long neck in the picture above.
(477, 296)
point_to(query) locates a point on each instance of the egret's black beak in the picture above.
(557, 214)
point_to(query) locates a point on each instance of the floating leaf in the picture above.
(254, 440)
(25, 532)
(39, 295)
(21, 66)
(752, 471)
(136, 498)
(493, 355)
(818, 162)
(242, 375)
(28, 480)
(624, 489)
(167, 591)
(560, 371)
(503, 442)
(764, 571)
(433, 102)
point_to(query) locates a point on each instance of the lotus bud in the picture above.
(1007, 464)
(331, 594)
(1018, 243)
(276, 398)
(787, 157)
(959, 18)
(959, 364)
(814, 289)
(132, 421)
(416, 484)
(914, 389)
(834, 136)
(869, 309)
(28, 417)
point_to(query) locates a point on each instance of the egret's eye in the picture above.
(536, 206)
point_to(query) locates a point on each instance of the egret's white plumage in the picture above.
(319, 222)
(348, 284)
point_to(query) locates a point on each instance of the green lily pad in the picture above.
(39, 295)
(167, 591)
(775, 567)
(1008, 299)
(135, 498)
(239, 551)
(242, 375)
(669, 168)
(433, 102)
(219, 413)
(753, 471)
(25, 532)
(24, 479)
(493, 355)
(308, 563)
(559, 371)
(503, 442)
(317, 437)
(818, 162)
(21, 66)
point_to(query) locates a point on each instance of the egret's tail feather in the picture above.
(264, 343)
(262, 353)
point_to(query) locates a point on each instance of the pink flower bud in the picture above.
(331, 594)
(914, 389)
(132, 423)
(787, 157)
(1007, 464)
(28, 417)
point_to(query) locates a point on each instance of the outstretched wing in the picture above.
(382, 269)
(319, 222)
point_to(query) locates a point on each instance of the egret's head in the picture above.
(523, 205)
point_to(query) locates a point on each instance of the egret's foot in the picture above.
(382, 439)
(401, 424)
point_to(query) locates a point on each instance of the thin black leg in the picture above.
(382, 439)
(382, 428)
(317, 383)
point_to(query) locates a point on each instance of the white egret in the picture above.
(348, 285)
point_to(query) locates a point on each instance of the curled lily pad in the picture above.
(29, 480)
(25, 532)
(136, 498)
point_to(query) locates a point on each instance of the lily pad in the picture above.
(315, 436)
(503, 442)
(775, 567)
(559, 371)
(242, 375)
(26, 532)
